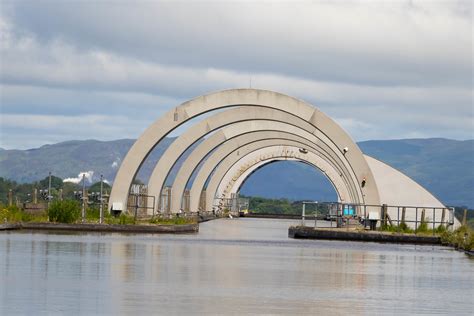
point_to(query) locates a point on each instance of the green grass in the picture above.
(66, 211)
(422, 229)
(461, 238)
(69, 211)
(123, 219)
(172, 221)
(13, 214)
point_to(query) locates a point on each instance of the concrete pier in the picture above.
(301, 232)
(149, 229)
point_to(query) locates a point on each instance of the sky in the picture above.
(107, 69)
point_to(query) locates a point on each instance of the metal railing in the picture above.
(233, 205)
(401, 217)
(141, 205)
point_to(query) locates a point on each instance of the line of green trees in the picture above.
(282, 206)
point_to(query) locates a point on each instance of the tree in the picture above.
(96, 187)
(56, 183)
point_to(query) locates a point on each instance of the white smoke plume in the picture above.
(88, 175)
(116, 163)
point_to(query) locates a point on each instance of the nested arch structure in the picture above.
(214, 169)
(230, 175)
(258, 116)
(266, 105)
(233, 145)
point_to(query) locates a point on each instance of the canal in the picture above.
(240, 266)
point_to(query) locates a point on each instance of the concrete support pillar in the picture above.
(35, 196)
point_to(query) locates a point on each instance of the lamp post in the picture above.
(83, 197)
(49, 189)
(101, 207)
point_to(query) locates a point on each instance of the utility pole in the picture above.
(303, 215)
(101, 208)
(83, 197)
(49, 189)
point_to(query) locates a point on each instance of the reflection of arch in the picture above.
(234, 170)
(230, 139)
(326, 130)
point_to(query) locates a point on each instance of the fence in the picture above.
(398, 216)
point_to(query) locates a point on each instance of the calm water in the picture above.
(230, 267)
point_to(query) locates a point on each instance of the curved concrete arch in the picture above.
(239, 153)
(403, 190)
(233, 171)
(325, 128)
(244, 177)
(217, 157)
(193, 161)
(222, 119)
(246, 132)
(397, 189)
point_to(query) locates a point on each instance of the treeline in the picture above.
(23, 192)
(281, 206)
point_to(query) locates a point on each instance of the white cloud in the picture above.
(82, 175)
(116, 163)
(382, 70)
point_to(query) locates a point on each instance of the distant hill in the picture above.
(445, 167)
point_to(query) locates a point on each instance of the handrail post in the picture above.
(416, 219)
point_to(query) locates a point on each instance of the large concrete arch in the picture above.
(205, 172)
(238, 114)
(234, 169)
(193, 161)
(325, 129)
(241, 133)
(222, 153)
(202, 128)
(403, 190)
(244, 177)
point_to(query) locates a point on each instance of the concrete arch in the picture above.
(223, 153)
(192, 163)
(230, 138)
(234, 170)
(236, 155)
(202, 128)
(244, 177)
(324, 128)
(222, 119)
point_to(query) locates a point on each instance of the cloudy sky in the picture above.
(107, 69)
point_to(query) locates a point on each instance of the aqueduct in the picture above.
(246, 129)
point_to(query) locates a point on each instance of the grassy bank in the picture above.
(462, 238)
(69, 212)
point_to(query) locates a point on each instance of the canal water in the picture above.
(240, 266)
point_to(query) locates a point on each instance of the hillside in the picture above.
(445, 167)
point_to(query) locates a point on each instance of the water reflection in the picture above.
(241, 266)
